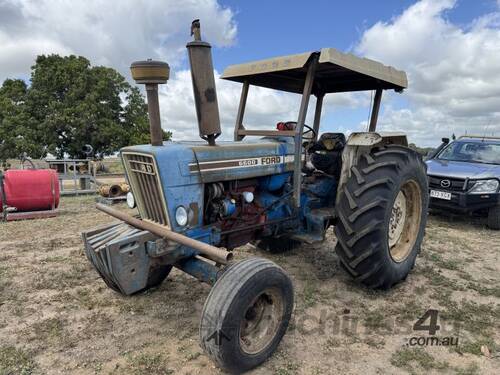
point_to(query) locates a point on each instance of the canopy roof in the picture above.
(335, 72)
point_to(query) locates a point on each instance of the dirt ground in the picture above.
(57, 316)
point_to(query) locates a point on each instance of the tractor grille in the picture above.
(451, 184)
(145, 183)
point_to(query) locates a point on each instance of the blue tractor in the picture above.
(198, 200)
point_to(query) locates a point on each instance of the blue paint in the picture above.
(199, 269)
(229, 207)
(182, 184)
(277, 208)
(274, 182)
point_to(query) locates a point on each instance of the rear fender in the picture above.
(360, 143)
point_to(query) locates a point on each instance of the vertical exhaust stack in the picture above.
(151, 73)
(205, 94)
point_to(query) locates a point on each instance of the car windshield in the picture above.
(476, 152)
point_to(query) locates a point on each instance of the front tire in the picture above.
(382, 213)
(246, 314)
(494, 218)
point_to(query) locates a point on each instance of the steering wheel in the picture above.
(290, 125)
(309, 130)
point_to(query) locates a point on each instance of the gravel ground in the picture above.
(57, 316)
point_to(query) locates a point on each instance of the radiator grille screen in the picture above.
(144, 181)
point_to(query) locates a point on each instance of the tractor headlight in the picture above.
(181, 216)
(485, 187)
(130, 200)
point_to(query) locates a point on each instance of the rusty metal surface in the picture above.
(142, 173)
(337, 72)
(124, 269)
(150, 71)
(375, 110)
(125, 257)
(304, 104)
(13, 216)
(205, 94)
(219, 255)
(360, 143)
(272, 65)
(113, 191)
(154, 115)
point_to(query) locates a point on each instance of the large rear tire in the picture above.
(382, 213)
(246, 314)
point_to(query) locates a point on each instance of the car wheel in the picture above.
(494, 218)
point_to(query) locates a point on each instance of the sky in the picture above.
(450, 50)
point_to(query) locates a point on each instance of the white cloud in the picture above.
(453, 71)
(113, 33)
(264, 107)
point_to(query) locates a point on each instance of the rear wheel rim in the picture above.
(404, 223)
(261, 321)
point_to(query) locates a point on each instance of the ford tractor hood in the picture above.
(181, 163)
(461, 169)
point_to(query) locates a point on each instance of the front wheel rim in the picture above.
(404, 223)
(261, 321)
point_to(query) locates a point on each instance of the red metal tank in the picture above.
(30, 189)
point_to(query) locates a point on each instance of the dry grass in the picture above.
(57, 316)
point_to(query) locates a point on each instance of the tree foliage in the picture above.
(69, 104)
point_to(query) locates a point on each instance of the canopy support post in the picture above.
(317, 115)
(375, 110)
(241, 112)
(304, 103)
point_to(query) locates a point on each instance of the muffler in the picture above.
(205, 94)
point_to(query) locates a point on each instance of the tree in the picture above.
(15, 124)
(70, 104)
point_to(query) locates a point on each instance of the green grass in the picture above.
(15, 361)
(474, 347)
(472, 369)
(375, 320)
(146, 364)
(287, 368)
(439, 261)
(485, 290)
(439, 280)
(5, 284)
(49, 331)
(474, 317)
(309, 293)
(407, 359)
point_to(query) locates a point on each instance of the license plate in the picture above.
(440, 195)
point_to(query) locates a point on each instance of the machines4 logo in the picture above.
(428, 322)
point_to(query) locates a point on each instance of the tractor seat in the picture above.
(326, 153)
